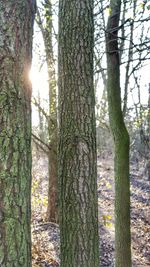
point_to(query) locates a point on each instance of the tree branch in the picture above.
(42, 142)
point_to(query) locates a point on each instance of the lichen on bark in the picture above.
(16, 27)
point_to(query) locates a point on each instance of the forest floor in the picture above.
(46, 238)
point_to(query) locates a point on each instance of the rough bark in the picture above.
(16, 26)
(52, 213)
(121, 141)
(77, 136)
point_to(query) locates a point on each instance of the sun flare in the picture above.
(39, 80)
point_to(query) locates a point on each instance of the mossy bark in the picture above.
(16, 26)
(77, 176)
(121, 141)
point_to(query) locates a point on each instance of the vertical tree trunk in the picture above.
(148, 132)
(129, 59)
(52, 213)
(121, 141)
(77, 136)
(41, 119)
(16, 26)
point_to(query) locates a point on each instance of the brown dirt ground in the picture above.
(45, 249)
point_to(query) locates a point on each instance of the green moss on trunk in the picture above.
(16, 25)
(121, 141)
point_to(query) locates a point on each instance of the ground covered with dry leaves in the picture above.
(46, 238)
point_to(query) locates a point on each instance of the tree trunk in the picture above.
(41, 119)
(77, 136)
(16, 26)
(52, 212)
(129, 60)
(121, 141)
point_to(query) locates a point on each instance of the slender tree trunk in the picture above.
(148, 133)
(16, 26)
(52, 209)
(129, 58)
(41, 119)
(52, 213)
(121, 141)
(77, 136)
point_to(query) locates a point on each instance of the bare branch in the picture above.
(42, 142)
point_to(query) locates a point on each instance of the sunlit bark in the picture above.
(16, 26)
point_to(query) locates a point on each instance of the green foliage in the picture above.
(39, 202)
(107, 220)
(148, 7)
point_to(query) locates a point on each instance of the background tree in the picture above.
(121, 141)
(77, 144)
(16, 27)
(133, 45)
(45, 23)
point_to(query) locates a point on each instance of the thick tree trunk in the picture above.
(121, 141)
(16, 26)
(77, 136)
